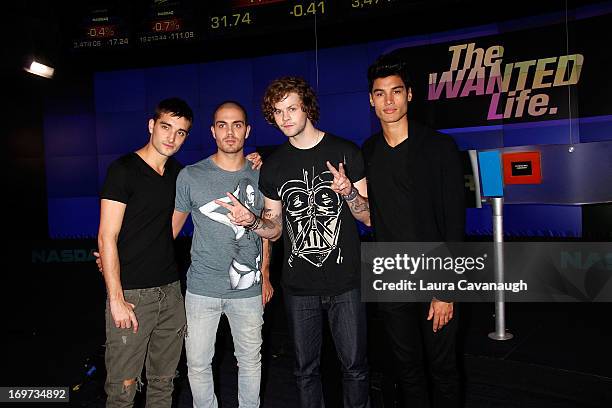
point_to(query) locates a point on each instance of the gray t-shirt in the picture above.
(225, 259)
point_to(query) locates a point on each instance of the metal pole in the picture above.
(498, 239)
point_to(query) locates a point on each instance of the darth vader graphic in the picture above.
(312, 211)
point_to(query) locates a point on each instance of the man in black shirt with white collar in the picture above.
(415, 191)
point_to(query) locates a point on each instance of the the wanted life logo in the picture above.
(477, 71)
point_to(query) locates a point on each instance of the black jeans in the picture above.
(347, 321)
(413, 343)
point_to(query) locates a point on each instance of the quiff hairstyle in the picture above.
(280, 88)
(175, 107)
(388, 65)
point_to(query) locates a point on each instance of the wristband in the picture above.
(352, 195)
(251, 225)
(254, 225)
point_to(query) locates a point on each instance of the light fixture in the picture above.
(39, 69)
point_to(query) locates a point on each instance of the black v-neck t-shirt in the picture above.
(145, 243)
(415, 189)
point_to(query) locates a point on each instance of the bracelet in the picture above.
(254, 225)
(258, 224)
(352, 195)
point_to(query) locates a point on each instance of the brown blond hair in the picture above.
(280, 88)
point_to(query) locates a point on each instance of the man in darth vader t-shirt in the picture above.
(314, 189)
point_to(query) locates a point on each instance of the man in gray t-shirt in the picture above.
(229, 264)
(225, 259)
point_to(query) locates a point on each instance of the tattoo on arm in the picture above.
(268, 221)
(359, 205)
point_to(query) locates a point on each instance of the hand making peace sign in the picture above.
(238, 214)
(341, 184)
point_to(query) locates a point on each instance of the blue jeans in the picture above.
(347, 320)
(245, 317)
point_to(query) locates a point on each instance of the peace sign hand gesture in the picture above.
(341, 184)
(238, 214)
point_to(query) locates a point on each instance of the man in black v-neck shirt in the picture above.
(415, 190)
(145, 312)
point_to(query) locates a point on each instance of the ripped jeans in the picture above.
(160, 312)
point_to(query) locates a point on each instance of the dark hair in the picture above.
(175, 107)
(388, 65)
(280, 88)
(236, 104)
(242, 194)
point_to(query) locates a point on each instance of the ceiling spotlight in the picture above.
(39, 69)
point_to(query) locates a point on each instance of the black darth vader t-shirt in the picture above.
(321, 238)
